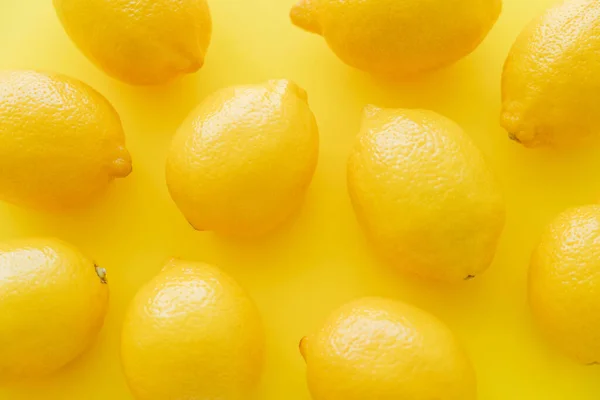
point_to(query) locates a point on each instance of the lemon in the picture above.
(52, 306)
(398, 38)
(61, 142)
(551, 78)
(143, 42)
(192, 333)
(375, 348)
(564, 278)
(424, 194)
(242, 161)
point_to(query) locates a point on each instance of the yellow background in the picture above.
(320, 260)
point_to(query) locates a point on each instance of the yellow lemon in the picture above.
(398, 38)
(192, 333)
(382, 349)
(424, 194)
(61, 142)
(551, 78)
(52, 306)
(143, 42)
(564, 282)
(242, 161)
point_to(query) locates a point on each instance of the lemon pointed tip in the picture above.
(371, 110)
(303, 347)
(287, 86)
(171, 262)
(194, 66)
(304, 16)
(122, 166)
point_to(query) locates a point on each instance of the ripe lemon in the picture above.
(52, 306)
(242, 161)
(424, 194)
(551, 78)
(61, 142)
(398, 38)
(192, 333)
(564, 278)
(143, 42)
(382, 349)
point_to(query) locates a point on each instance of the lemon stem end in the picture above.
(101, 272)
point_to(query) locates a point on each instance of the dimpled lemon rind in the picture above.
(382, 349)
(241, 163)
(398, 38)
(52, 305)
(61, 142)
(192, 333)
(424, 194)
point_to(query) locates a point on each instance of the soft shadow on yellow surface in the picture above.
(320, 260)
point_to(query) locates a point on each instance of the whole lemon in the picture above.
(141, 42)
(242, 161)
(375, 348)
(192, 333)
(52, 306)
(61, 142)
(564, 282)
(398, 38)
(424, 194)
(551, 78)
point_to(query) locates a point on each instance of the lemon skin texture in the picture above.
(241, 163)
(424, 194)
(192, 333)
(52, 305)
(61, 142)
(551, 78)
(140, 42)
(375, 348)
(398, 38)
(564, 278)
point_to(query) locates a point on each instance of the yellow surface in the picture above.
(320, 261)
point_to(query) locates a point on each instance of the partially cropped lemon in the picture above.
(551, 78)
(424, 194)
(382, 349)
(398, 38)
(61, 142)
(143, 42)
(52, 306)
(564, 282)
(242, 161)
(192, 333)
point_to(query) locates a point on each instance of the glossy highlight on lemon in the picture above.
(241, 163)
(375, 348)
(192, 333)
(398, 38)
(141, 42)
(52, 305)
(563, 279)
(424, 194)
(551, 78)
(61, 142)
